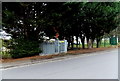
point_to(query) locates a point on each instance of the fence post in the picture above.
(57, 46)
(65, 47)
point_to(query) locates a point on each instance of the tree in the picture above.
(82, 20)
(22, 20)
(101, 18)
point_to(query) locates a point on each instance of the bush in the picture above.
(5, 55)
(24, 48)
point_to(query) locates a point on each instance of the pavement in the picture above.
(97, 65)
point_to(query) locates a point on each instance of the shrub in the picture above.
(5, 55)
(24, 48)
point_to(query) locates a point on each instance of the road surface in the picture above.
(99, 65)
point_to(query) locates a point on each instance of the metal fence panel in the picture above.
(53, 47)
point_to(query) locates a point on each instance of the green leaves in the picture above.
(90, 19)
(24, 48)
(8, 13)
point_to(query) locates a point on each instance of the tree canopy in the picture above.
(81, 19)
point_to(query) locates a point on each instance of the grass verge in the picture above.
(71, 52)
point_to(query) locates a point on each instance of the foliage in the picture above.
(5, 55)
(20, 20)
(23, 48)
(0, 43)
(81, 19)
(90, 20)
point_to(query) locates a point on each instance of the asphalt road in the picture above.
(99, 65)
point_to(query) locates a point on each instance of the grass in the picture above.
(0, 46)
(4, 54)
(38, 58)
(105, 45)
(7, 55)
(102, 44)
(0, 43)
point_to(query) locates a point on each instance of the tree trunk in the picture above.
(68, 44)
(68, 39)
(104, 42)
(97, 44)
(87, 42)
(92, 41)
(98, 41)
(83, 42)
(72, 44)
(77, 41)
(79, 44)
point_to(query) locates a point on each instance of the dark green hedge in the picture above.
(24, 48)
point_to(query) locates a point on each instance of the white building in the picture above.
(4, 35)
